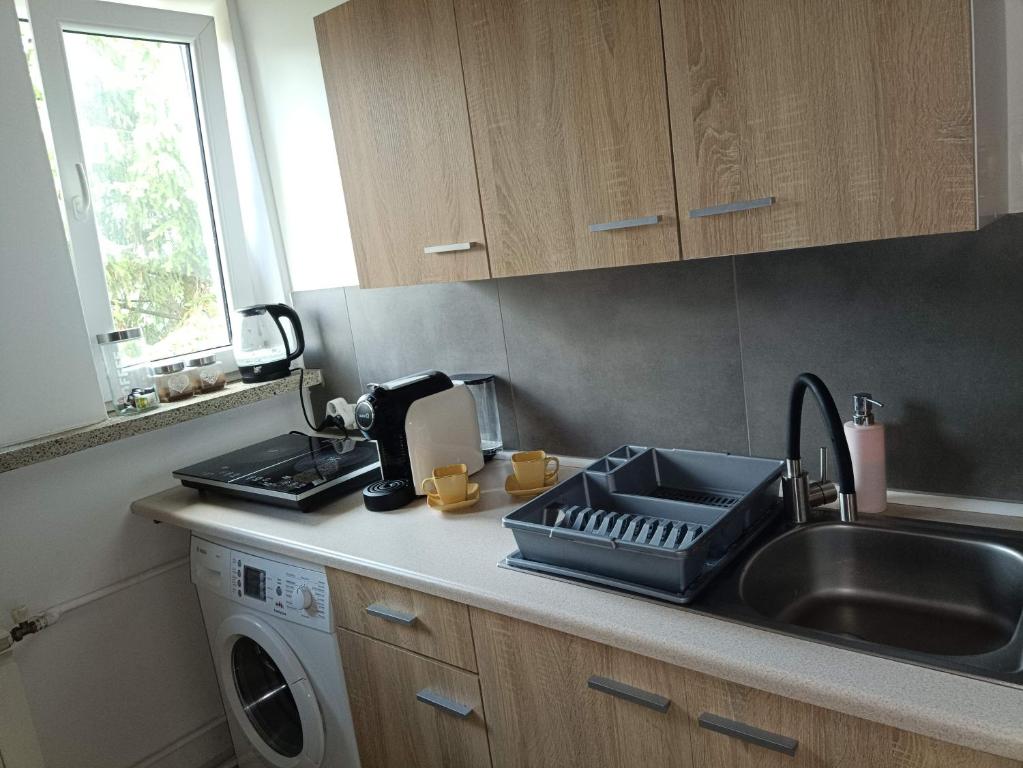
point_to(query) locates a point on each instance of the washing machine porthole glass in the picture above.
(266, 698)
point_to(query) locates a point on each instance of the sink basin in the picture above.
(935, 593)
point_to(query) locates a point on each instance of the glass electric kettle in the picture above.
(262, 349)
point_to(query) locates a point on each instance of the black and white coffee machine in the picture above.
(420, 422)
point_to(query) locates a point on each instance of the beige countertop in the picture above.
(456, 556)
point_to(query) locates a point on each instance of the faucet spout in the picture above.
(798, 495)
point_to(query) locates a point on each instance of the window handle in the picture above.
(389, 614)
(80, 204)
(443, 703)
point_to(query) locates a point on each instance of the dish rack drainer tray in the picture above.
(660, 519)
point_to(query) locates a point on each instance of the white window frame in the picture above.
(49, 20)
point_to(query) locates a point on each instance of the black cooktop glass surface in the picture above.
(292, 464)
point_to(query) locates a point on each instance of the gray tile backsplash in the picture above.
(931, 326)
(646, 355)
(702, 354)
(329, 346)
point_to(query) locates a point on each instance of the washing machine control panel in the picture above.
(285, 590)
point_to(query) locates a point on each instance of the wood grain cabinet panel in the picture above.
(569, 117)
(423, 623)
(541, 711)
(857, 116)
(393, 727)
(826, 739)
(397, 104)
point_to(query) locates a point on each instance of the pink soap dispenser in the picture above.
(866, 446)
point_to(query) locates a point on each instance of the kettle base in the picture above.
(276, 369)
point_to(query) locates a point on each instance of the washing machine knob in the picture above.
(301, 599)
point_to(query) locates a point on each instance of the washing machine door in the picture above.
(269, 694)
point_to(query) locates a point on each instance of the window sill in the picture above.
(167, 414)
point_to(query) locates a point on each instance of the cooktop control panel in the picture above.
(282, 589)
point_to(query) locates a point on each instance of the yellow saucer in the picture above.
(472, 496)
(511, 485)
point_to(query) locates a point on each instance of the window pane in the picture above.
(136, 109)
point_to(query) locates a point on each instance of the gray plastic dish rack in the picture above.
(650, 517)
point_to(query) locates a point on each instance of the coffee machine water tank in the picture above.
(483, 388)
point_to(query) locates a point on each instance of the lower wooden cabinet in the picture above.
(823, 738)
(555, 700)
(542, 710)
(410, 711)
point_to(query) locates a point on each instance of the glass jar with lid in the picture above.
(125, 357)
(172, 383)
(206, 373)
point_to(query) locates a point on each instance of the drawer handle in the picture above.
(389, 614)
(742, 205)
(644, 221)
(627, 692)
(448, 248)
(748, 733)
(443, 703)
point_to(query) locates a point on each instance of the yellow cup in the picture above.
(531, 468)
(449, 484)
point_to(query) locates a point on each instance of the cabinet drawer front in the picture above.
(557, 700)
(422, 623)
(411, 712)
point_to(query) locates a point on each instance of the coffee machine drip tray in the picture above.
(292, 470)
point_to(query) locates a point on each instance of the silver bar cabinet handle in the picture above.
(389, 614)
(448, 248)
(742, 205)
(628, 693)
(443, 703)
(644, 221)
(748, 733)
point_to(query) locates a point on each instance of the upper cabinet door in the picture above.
(807, 122)
(397, 104)
(568, 107)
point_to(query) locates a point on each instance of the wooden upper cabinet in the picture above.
(569, 118)
(397, 104)
(856, 116)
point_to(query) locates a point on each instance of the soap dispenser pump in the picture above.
(866, 447)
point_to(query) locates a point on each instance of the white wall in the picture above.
(291, 104)
(47, 381)
(1014, 50)
(126, 680)
(122, 678)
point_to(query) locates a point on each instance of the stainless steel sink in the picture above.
(941, 595)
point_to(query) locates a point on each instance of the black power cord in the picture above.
(329, 422)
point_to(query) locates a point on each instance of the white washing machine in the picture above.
(268, 620)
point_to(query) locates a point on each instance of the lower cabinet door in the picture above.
(410, 711)
(738, 727)
(557, 700)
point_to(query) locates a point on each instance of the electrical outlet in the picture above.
(342, 411)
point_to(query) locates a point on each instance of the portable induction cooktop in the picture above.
(292, 470)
